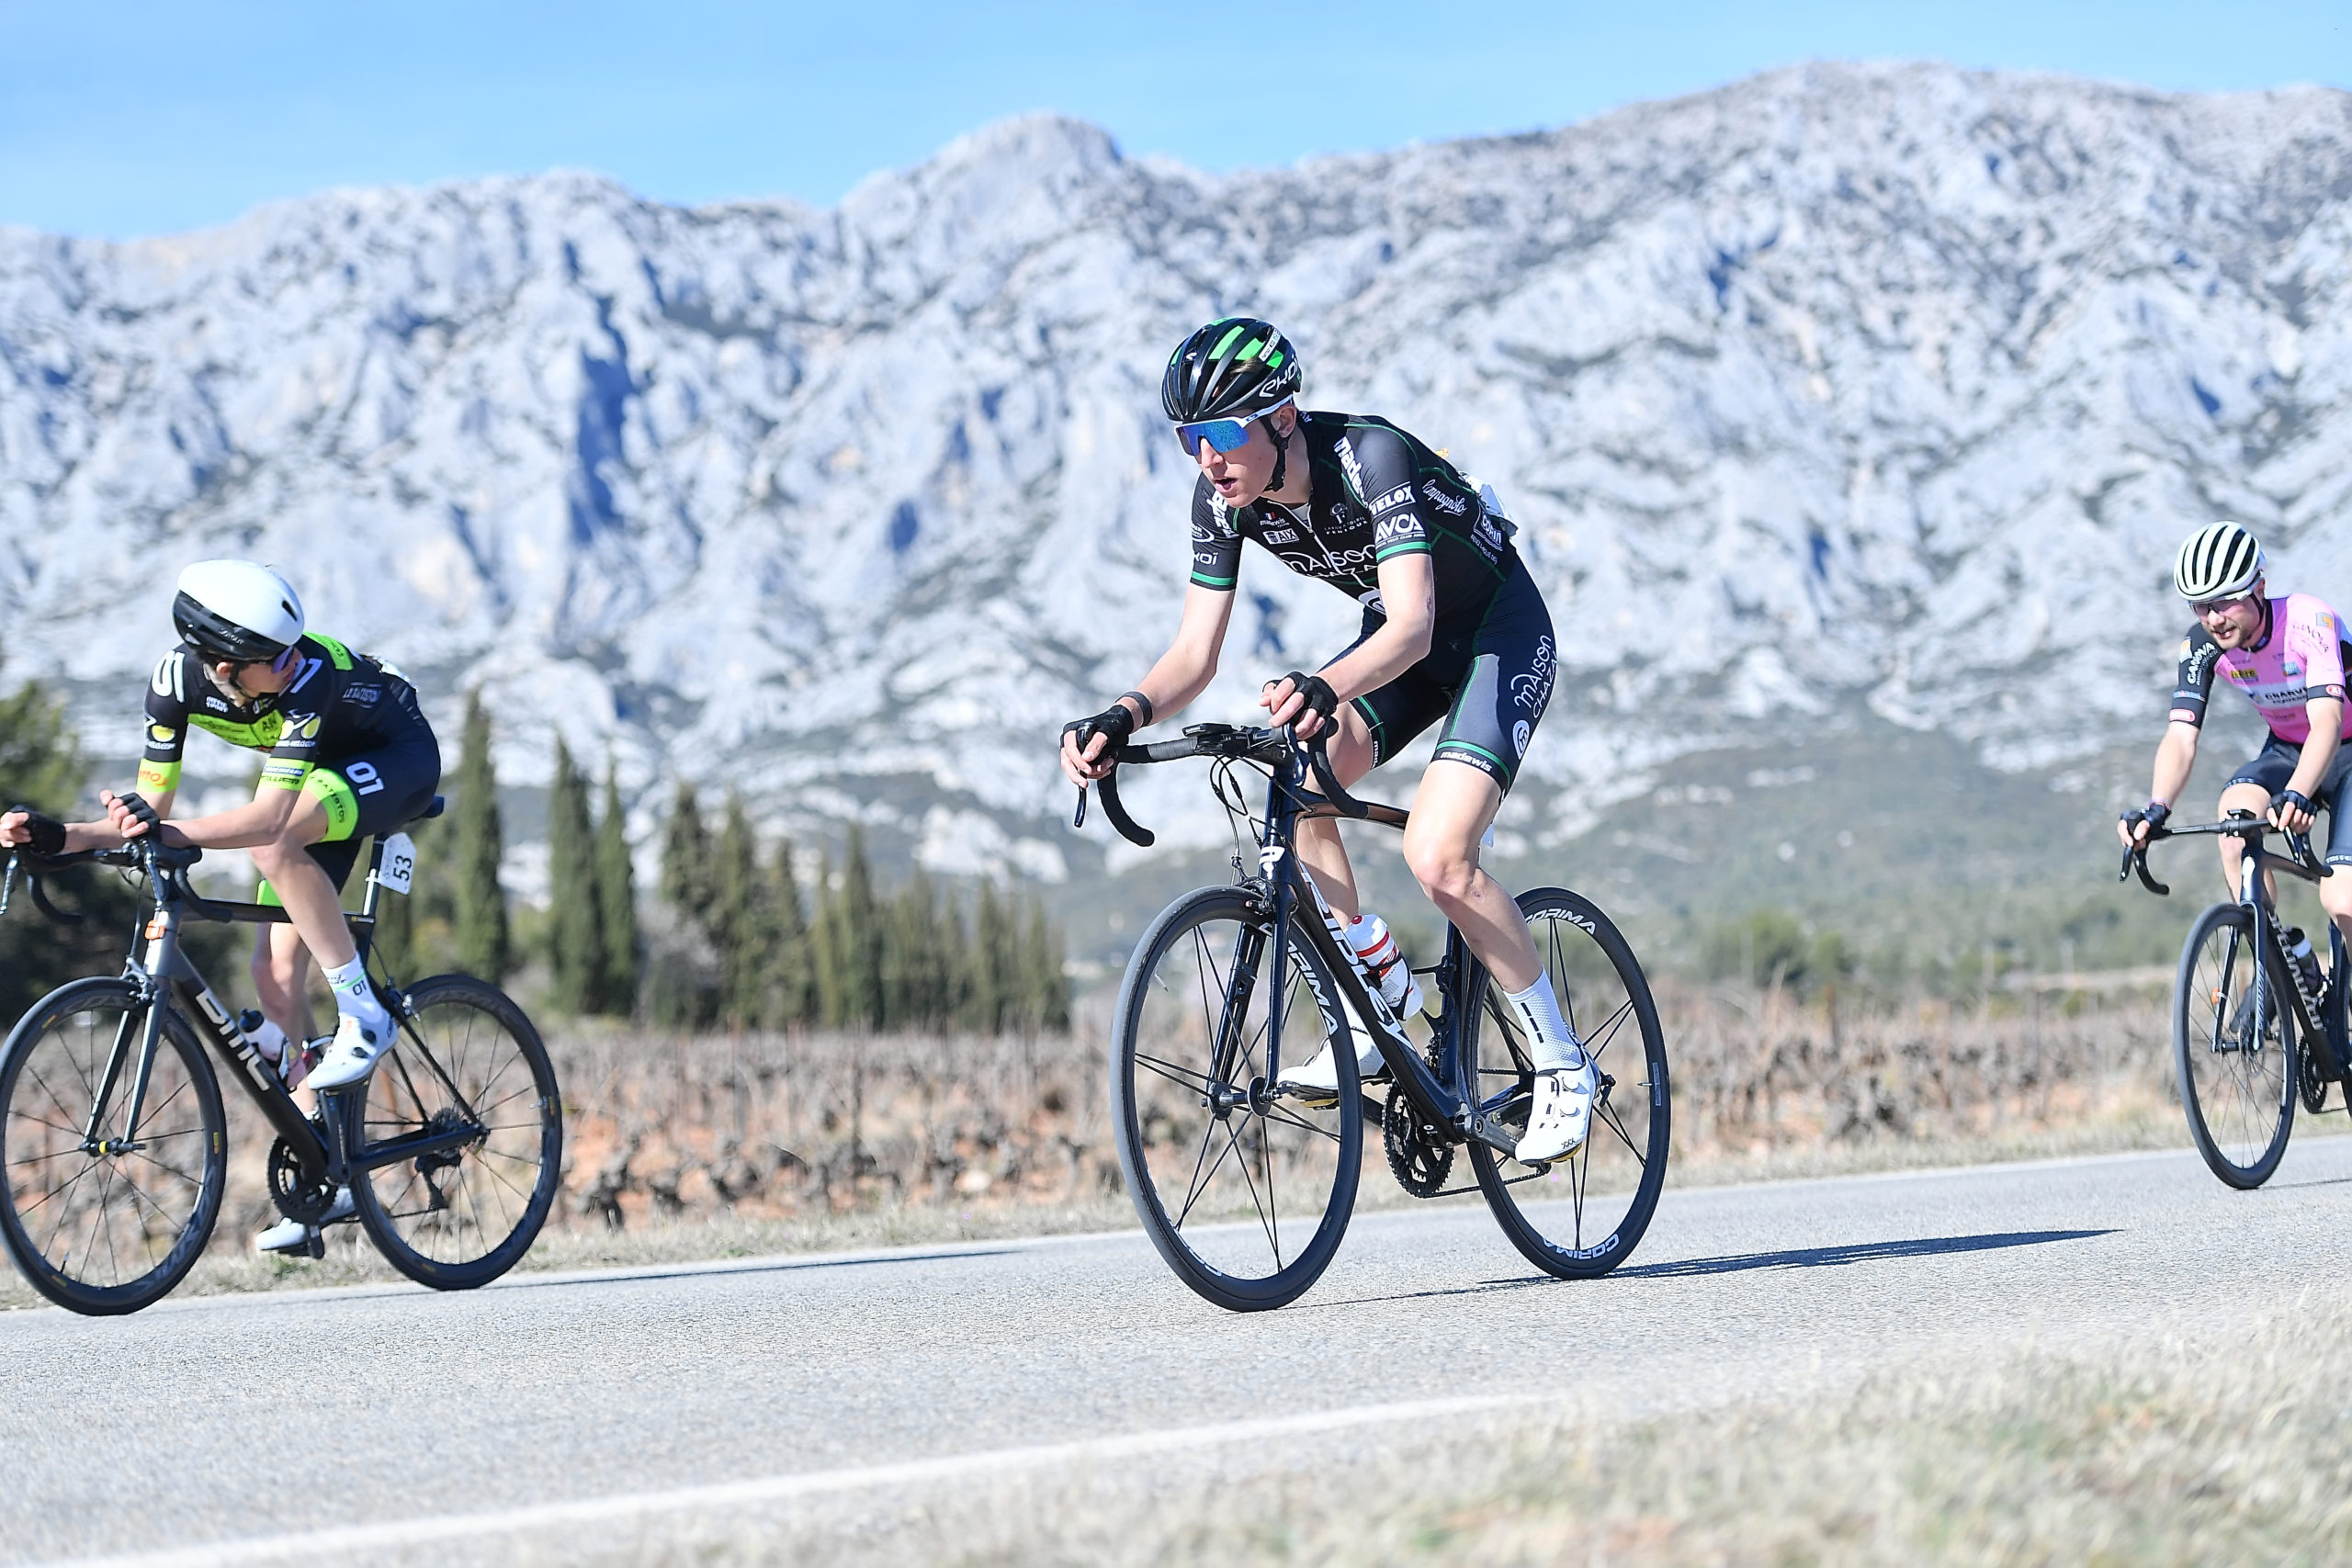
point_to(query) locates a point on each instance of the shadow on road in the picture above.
(1857, 1252)
(1798, 1257)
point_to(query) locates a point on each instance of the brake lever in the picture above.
(1078, 819)
(8, 886)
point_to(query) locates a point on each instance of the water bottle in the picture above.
(2299, 948)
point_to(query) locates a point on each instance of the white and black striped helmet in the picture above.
(2218, 562)
(238, 610)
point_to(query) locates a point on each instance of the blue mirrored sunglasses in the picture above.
(1225, 435)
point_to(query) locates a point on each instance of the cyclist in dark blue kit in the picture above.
(1454, 630)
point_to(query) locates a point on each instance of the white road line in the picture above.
(395, 1533)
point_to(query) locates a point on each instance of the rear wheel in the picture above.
(469, 1088)
(2234, 1042)
(1582, 1215)
(104, 1216)
(1245, 1194)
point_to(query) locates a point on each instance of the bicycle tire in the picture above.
(154, 1203)
(1604, 1193)
(1166, 1083)
(2239, 1098)
(462, 1236)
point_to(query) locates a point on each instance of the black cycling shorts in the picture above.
(2274, 765)
(380, 790)
(1488, 679)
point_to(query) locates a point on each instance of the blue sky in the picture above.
(121, 118)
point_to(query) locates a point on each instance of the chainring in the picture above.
(1418, 1155)
(2314, 1087)
(306, 1199)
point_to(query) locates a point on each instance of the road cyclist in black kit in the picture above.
(348, 755)
(1455, 631)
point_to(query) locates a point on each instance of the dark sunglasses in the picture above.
(1225, 435)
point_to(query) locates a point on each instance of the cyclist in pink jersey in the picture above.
(2287, 655)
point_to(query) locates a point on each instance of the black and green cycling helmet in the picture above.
(1235, 368)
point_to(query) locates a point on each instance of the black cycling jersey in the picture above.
(346, 732)
(1374, 492)
(339, 705)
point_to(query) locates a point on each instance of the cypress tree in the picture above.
(792, 992)
(739, 919)
(957, 986)
(861, 937)
(42, 766)
(575, 924)
(1042, 955)
(483, 940)
(616, 903)
(685, 856)
(914, 979)
(824, 947)
(994, 969)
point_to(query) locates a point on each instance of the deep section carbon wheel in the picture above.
(104, 1215)
(2233, 1044)
(1245, 1193)
(1582, 1215)
(469, 1086)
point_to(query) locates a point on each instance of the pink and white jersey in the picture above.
(2301, 656)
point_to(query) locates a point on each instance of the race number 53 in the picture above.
(399, 863)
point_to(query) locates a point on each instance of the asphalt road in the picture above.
(572, 1412)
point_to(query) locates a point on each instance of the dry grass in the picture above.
(2229, 1450)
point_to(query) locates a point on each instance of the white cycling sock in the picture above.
(1550, 1040)
(354, 998)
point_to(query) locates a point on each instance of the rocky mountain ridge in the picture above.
(1888, 386)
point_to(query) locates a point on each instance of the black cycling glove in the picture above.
(2153, 814)
(139, 808)
(1321, 700)
(1117, 721)
(48, 834)
(2295, 799)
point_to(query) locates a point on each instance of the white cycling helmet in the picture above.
(2218, 562)
(238, 610)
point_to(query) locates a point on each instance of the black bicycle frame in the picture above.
(2254, 865)
(1460, 977)
(165, 972)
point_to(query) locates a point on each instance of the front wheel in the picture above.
(104, 1215)
(2233, 1043)
(461, 1136)
(1245, 1193)
(1580, 1217)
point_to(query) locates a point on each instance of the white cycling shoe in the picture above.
(293, 1236)
(1562, 1115)
(1318, 1081)
(358, 1048)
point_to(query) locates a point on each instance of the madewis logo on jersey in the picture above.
(1349, 466)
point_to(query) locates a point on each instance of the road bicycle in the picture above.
(2251, 1031)
(113, 1146)
(1246, 1191)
